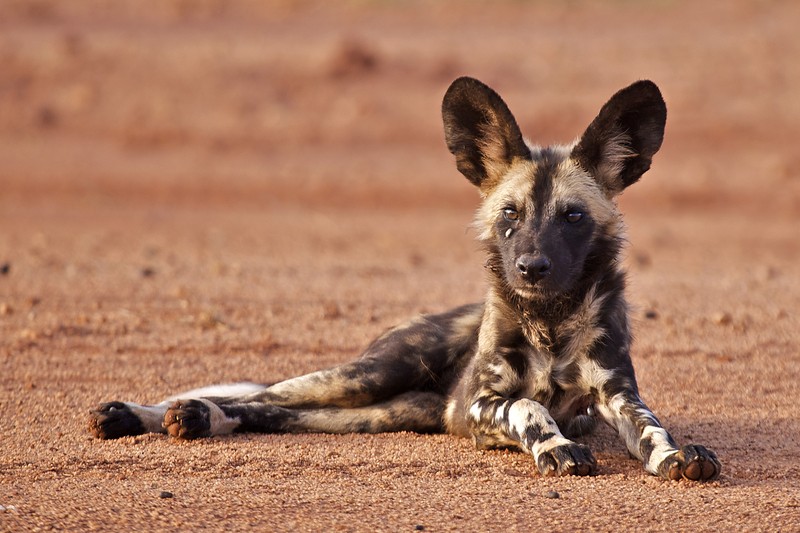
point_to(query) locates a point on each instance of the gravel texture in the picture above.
(210, 192)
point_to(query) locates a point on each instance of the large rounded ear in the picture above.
(618, 146)
(481, 132)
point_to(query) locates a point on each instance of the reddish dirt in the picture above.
(199, 192)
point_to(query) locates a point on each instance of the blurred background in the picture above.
(266, 172)
(252, 103)
(259, 169)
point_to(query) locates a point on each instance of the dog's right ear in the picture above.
(481, 132)
(619, 145)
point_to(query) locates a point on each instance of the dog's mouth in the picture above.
(541, 290)
(531, 293)
(550, 288)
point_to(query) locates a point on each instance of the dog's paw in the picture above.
(579, 426)
(692, 462)
(188, 419)
(113, 420)
(570, 459)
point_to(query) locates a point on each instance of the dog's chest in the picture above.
(559, 364)
(559, 381)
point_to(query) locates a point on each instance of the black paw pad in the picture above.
(571, 459)
(693, 462)
(113, 420)
(188, 419)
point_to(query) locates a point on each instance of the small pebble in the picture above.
(331, 311)
(208, 321)
(419, 527)
(165, 494)
(722, 318)
(148, 272)
(514, 472)
(651, 314)
(46, 117)
(768, 273)
(553, 495)
(5, 268)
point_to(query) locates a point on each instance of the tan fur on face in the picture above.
(571, 186)
(514, 190)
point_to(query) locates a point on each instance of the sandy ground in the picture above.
(198, 192)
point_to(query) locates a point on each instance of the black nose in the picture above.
(534, 266)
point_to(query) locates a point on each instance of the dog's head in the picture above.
(548, 214)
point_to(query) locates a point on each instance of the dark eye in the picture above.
(509, 213)
(573, 217)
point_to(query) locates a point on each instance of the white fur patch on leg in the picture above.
(219, 421)
(151, 416)
(553, 442)
(475, 411)
(228, 390)
(662, 447)
(612, 414)
(525, 414)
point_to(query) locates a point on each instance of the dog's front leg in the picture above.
(500, 421)
(648, 441)
(496, 418)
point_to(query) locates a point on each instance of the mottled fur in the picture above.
(535, 364)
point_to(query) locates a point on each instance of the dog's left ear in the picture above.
(618, 146)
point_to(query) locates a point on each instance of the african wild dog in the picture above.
(536, 363)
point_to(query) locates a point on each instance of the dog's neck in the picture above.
(543, 320)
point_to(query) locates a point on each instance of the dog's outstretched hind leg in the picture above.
(373, 379)
(416, 411)
(388, 380)
(412, 356)
(112, 420)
